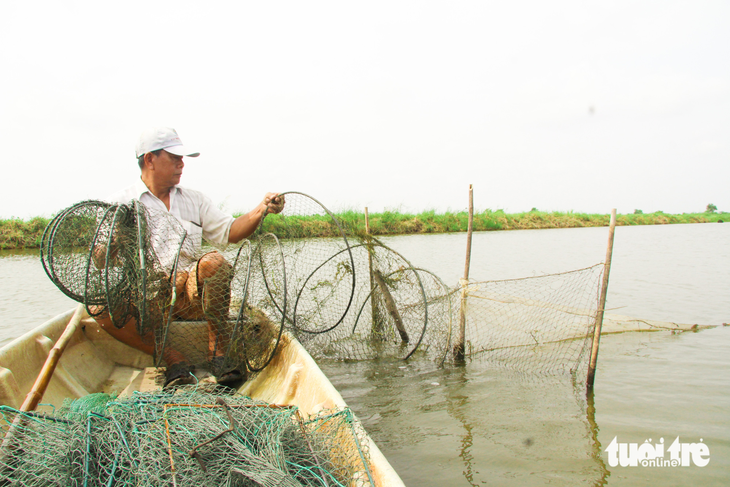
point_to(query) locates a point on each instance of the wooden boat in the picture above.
(93, 361)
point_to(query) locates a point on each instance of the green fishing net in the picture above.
(191, 436)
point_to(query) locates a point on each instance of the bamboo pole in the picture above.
(601, 304)
(376, 327)
(469, 229)
(459, 347)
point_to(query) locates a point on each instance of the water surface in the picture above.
(475, 425)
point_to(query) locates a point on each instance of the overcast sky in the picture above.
(563, 105)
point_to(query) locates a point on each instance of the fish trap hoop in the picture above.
(396, 271)
(420, 300)
(321, 287)
(97, 253)
(141, 262)
(119, 269)
(300, 326)
(265, 291)
(239, 284)
(65, 244)
(94, 295)
(435, 311)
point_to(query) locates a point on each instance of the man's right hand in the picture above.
(274, 202)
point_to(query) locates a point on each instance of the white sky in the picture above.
(386, 104)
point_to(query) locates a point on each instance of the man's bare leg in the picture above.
(204, 292)
(215, 273)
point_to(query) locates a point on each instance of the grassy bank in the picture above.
(21, 234)
(392, 223)
(18, 234)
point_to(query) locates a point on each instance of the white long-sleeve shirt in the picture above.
(195, 212)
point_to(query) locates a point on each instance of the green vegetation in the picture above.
(396, 223)
(16, 233)
(19, 234)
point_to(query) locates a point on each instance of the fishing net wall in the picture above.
(540, 324)
(192, 436)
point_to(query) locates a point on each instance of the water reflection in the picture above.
(474, 424)
(597, 452)
(456, 406)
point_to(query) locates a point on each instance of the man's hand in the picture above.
(245, 225)
(274, 202)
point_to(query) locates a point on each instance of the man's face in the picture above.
(167, 168)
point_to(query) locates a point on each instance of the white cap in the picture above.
(162, 138)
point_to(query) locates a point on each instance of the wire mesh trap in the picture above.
(353, 297)
(137, 268)
(342, 293)
(398, 311)
(191, 436)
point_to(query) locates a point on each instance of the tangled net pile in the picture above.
(189, 437)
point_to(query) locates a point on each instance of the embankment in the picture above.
(18, 234)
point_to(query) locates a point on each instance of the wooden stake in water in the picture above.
(377, 325)
(459, 347)
(390, 305)
(601, 304)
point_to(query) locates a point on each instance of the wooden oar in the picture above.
(44, 377)
(41, 383)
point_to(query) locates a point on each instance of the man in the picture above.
(202, 283)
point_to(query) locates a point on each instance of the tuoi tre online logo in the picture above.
(654, 455)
